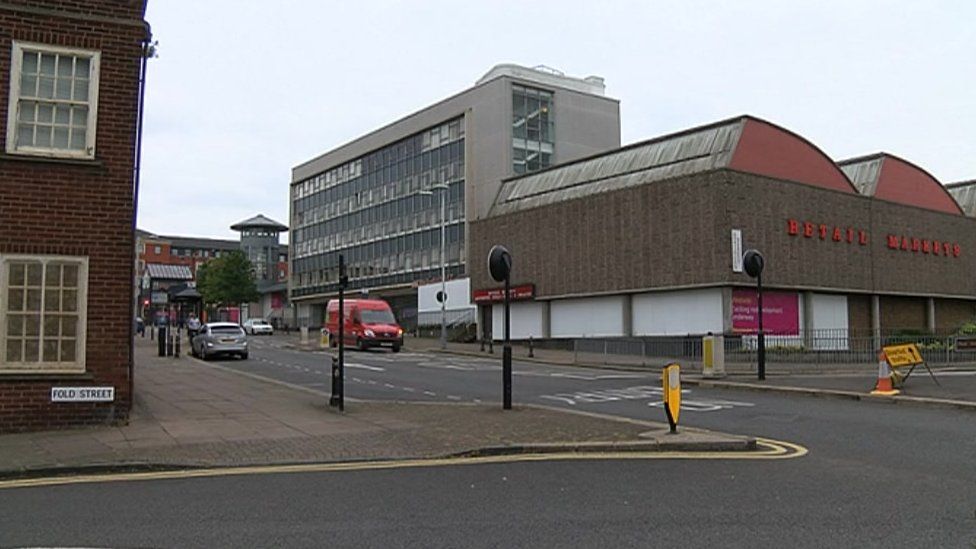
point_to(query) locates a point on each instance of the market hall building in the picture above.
(647, 240)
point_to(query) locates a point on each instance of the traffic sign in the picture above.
(903, 355)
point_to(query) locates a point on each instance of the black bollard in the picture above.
(176, 347)
(491, 346)
(161, 341)
(334, 399)
(530, 348)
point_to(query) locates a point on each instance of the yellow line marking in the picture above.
(769, 449)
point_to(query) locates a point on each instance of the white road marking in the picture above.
(370, 381)
(407, 389)
(445, 366)
(386, 384)
(638, 392)
(428, 393)
(365, 367)
(452, 397)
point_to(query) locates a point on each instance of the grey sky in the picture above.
(244, 90)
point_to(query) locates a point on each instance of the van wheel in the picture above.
(332, 342)
(396, 348)
(359, 344)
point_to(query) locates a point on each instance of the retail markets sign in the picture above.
(824, 231)
(497, 295)
(854, 235)
(923, 246)
(82, 394)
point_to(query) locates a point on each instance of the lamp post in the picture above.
(442, 295)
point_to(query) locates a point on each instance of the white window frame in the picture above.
(17, 58)
(40, 367)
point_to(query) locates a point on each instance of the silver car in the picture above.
(219, 338)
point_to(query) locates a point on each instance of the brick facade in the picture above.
(676, 233)
(78, 208)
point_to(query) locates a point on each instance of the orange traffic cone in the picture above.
(884, 386)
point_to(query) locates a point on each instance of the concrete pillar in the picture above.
(930, 314)
(627, 310)
(808, 320)
(546, 321)
(727, 310)
(876, 322)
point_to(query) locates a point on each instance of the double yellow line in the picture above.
(767, 449)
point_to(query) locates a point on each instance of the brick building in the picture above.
(70, 87)
(647, 241)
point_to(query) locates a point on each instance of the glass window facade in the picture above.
(381, 212)
(533, 129)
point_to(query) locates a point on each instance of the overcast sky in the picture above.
(244, 90)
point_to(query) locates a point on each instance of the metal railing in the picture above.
(810, 348)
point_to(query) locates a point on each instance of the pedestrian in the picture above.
(192, 325)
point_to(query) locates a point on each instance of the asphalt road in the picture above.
(877, 475)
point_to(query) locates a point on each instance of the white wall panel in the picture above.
(527, 320)
(458, 296)
(678, 313)
(830, 321)
(587, 317)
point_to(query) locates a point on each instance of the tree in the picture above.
(227, 280)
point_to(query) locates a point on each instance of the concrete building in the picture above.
(260, 242)
(647, 241)
(71, 85)
(376, 200)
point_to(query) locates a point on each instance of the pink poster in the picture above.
(781, 312)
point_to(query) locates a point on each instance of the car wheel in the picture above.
(243, 356)
(203, 353)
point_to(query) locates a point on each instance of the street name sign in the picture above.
(82, 394)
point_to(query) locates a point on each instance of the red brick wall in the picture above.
(77, 208)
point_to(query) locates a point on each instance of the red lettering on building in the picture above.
(948, 248)
(926, 246)
(850, 235)
(823, 231)
(916, 244)
(862, 238)
(808, 229)
(904, 243)
(936, 247)
(956, 250)
(793, 227)
(837, 234)
(892, 241)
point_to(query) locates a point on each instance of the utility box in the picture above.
(713, 356)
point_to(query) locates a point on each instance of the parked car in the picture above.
(368, 323)
(257, 326)
(219, 338)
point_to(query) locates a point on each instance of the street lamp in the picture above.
(442, 295)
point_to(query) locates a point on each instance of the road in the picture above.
(877, 475)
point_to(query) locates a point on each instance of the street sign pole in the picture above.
(500, 268)
(754, 262)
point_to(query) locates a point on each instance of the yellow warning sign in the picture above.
(903, 355)
(671, 377)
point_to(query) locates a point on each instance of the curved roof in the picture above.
(894, 179)
(258, 222)
(745, 144)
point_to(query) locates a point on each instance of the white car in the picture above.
(257, 326)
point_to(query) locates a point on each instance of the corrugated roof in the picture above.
(169, 272)
(202, 243)
(700, 150)
(965, 194)
(888, 177)
(745, 144)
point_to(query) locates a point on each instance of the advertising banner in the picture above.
(781, 312)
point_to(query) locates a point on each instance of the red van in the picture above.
(368, 323)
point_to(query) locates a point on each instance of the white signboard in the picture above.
(82, 394)
(736, 250)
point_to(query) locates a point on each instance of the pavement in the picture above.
(192, 414)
